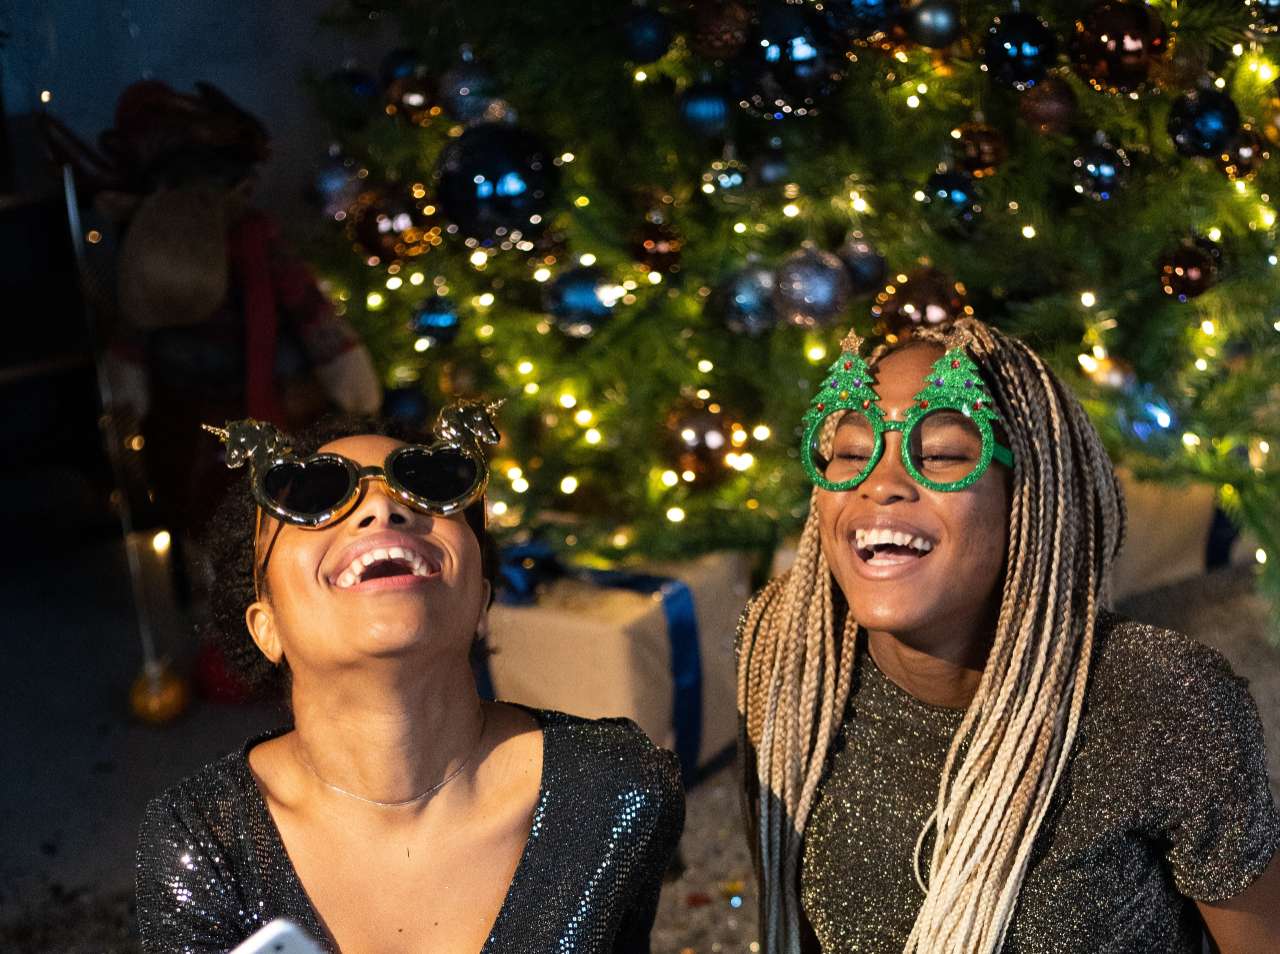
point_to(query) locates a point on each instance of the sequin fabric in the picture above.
(1165, 800)
(212, 868)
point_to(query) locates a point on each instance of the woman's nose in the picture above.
(889, 481)
(378, 508)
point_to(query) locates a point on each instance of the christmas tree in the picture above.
(646, 225)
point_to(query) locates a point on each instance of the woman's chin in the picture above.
(886, 616)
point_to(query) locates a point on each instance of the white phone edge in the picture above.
(280, 936)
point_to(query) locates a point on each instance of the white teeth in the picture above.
(879, 536)
(418, 565)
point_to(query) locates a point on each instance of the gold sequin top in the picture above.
(212, 868)
(1165, 800)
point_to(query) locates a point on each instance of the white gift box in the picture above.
(598, 651)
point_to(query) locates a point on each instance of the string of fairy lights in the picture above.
(914, 80)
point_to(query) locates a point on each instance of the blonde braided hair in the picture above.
(795, 672)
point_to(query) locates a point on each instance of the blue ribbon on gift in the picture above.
(526, 568)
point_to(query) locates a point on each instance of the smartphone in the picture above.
(279, 937)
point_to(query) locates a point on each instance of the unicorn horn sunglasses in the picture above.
(443, 477)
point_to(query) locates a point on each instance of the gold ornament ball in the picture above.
(697, 437)
(1270, 123)
(924, 297)
(1049, 106)
(980, 149)
(159, 695)
(1114, 373)
(1243, 156)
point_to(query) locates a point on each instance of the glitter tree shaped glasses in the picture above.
(947, 440)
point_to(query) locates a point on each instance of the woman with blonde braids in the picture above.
(950, 747)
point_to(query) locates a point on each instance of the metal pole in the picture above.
(107, 422)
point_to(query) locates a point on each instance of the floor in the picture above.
(78, 768)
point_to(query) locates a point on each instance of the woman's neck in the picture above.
(389, 735)
(937, 672)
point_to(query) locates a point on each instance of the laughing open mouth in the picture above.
(386, 562)
(885, 547)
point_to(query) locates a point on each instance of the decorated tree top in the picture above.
(848, 385)
(954, 382)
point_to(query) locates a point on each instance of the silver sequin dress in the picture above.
(1165, 800)
(212, 868)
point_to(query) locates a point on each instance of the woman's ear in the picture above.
(261, 621)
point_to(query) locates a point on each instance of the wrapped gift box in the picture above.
(599, 645)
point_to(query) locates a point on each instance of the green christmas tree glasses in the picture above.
(947, 440)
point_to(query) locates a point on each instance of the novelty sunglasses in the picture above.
(947, 438)
(442, 478)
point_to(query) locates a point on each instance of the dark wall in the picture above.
(85, 51)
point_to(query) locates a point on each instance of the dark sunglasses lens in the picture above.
(946, 446)
(439, 475)
(308, 488)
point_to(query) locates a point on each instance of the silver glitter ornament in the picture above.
(811, 288)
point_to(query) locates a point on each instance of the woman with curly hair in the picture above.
(398, 812)
(950, 746)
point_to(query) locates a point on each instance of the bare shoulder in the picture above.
(512, 763)
(275, 770)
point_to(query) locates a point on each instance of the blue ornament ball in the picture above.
(772, 166)
(467, 89)
(1019, 49)
(581, 300)
(406, 404)
(866, 266)
(336, 186)
(704, 107)
(399, 64)
(934, 23)
(1203, 122)
(788, 64)
(496, 180)
(647, 34)
(744, 302)
(436, 319)
(861, 20)
(1101, 171)
(812, 288)
(954, 196)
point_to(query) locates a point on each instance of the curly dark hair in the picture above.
(228, 545)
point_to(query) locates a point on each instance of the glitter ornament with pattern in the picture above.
(1116, 43)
